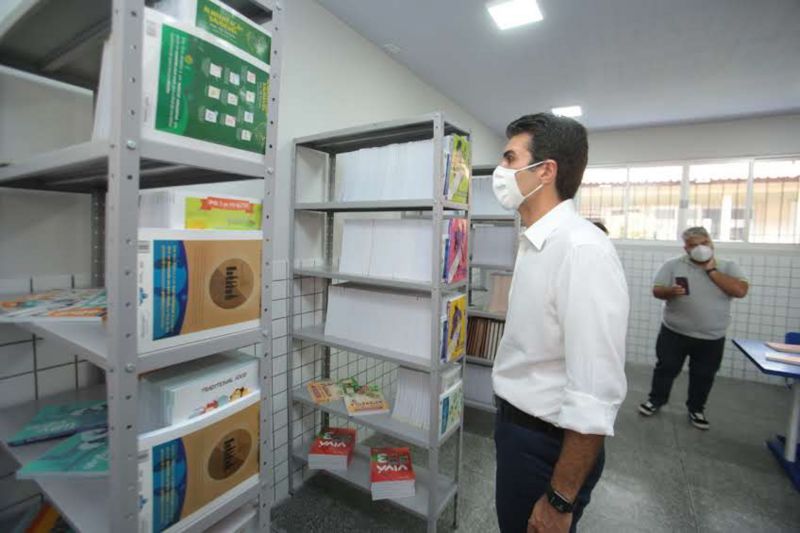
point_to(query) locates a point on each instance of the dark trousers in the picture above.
(525, 461)
(705, 357)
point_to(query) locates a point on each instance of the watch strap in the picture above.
(710, 270)
(559, 502)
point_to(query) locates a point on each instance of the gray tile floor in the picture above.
(661, 474)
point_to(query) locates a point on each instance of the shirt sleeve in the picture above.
(663, 276)
(735, 271)
(592, 305)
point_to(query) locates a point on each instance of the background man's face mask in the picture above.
(701, 253)
(506, 189)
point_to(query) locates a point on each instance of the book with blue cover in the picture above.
(84, 454)
(56, 421)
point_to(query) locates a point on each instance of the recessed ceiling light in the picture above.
(512, 13)
(568, 111)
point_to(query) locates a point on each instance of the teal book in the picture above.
(84, 454)
(57, 421)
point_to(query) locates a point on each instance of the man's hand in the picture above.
(677, 290)
(545, 519)
(708, 265)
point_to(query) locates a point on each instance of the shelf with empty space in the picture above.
(391, 283)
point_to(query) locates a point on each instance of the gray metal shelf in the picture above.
(316, 334)
(84, 168)
(380, 205)
(62, 40)
(479, 361)
(358, 475)
(487, 266)
(480, 405)
(391, 283)
(90, 341)
(493, 218)
(428, 503)
(482, 313)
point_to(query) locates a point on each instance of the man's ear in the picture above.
(549, 172)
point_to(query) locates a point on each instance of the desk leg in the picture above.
(790, 447)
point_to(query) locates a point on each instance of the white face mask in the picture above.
(506, 189)
(701, 253)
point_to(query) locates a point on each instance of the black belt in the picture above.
(509, 413)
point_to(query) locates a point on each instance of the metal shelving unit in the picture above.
(431, 497)
(62, 39)
(478, 367)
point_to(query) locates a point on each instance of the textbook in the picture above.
(324, 391)
(56, 421)
(454, 328)
(458, 168)
(363, 399)
(196, 284)
(391, 473)
(181, 392)
(83, 454)
(188, 210)
(188, 468)
(412, 400)
(56, 304)
(332, 449)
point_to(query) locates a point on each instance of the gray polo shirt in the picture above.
(705, 313)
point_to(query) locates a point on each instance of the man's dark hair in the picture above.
(561, 139)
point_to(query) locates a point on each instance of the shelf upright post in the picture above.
(264, 348)
(290, 268)
(98, 223)
(437, 216)
(127, 19)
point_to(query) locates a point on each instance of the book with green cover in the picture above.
(459, 169)
(84, 454)
(56, 421)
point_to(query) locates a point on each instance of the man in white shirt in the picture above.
(559, 373)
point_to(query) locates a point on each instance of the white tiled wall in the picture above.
(771, 308)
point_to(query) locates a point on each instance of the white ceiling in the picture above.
(627, 62)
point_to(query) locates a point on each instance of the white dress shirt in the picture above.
(562, 357)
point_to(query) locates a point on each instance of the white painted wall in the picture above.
(772, 135)
(42, 233)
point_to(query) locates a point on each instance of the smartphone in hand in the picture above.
(683, 282)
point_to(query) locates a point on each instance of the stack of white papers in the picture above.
(484, 202)
(494, 245)
(412, 401)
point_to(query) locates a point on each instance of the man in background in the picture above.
(559, 375)
(697, 290)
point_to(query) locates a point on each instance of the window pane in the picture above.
(602, 197)
(717, 199)
(655, 194)
(776, 191)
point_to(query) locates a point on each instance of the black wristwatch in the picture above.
(559, 503)
(710, 270)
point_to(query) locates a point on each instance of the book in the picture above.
(181, 392)
(402, 249)
(454, 329)
(494, 245)
(363, 399)
(391, 473)
(783, 347)
(332, 449)
(451, 408)
(455, 250)
(500, 286)
(458, 168)
(195, 285)
(324, 391)
(189, 210)
(57, 421)
(483, 337)
(198, 91)
(224, 22)
(38, 305)
(84, 454)
(188, 467)
(784, 358)
(92, 308)
(412, 399)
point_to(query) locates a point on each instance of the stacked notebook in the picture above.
(57, 421)
(412, 401)
(404, 171)
(332, 449)
(391, 473)
(402, 249)
(57, 304)
(173, 209)
(363, 399)
(84, 454)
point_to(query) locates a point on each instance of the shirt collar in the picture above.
(539, 231)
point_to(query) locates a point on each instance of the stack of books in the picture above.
(483, 337)
(56, 305)
(391, 473)
(84, 454)
(403, 171)
(332, 449)
(790, 353)
(412, 401)
(172, 209)
(494, 246)
(58, 421)
(363, 399)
